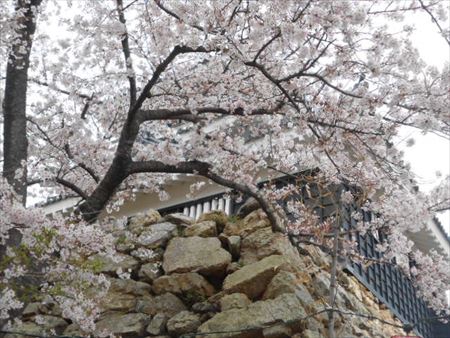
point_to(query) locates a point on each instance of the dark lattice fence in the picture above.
(386, 281)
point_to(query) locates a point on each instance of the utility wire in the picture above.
(261, 327)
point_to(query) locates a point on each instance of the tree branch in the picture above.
(436, 22)
(90, 171)
(177, 50)
(127, 54)
(204, 169)
(276, 36)
(72, 187)
(60, 90)
(173, 114)
(174, 15)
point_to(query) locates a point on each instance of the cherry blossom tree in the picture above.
(123, 95)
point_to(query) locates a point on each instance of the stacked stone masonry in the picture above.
(221, 277)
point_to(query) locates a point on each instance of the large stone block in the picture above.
(284, 309)
(182, 284)
(122, 324)
(122, 262)
(263, 242)
(196, 254)
(141, 221)
(167, 304)
(253, 279)
(202, 229)
(157, 235)
(219, 217)
(182, 323)
(252, 222)
(287, 282)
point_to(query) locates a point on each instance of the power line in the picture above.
(405, 327)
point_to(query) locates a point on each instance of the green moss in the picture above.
(233, 218)
(192, 297)
(121, 240)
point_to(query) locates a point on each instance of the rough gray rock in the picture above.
(129, 286)
(234, 246)
(312, 334)
(285, 308)
(183, 322)
(253, 279)
(250, 205)
(118, 301)
(167, 304)
(202, 229)
(26, 327)
(234, 301)
(277, 331)
(140, 221)
(219, 217)
(196, 254)
(204, 307)
(48, 322)
(153, 239)
(150, 271)
(287, 282)
(179, 219)
(252, 222)
(109, 266)
(322, 284)
(157, 325)
(122, 324)
(31, 309)
(122, 294)
(263, 242)
(182, 284)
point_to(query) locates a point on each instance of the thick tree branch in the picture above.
(72, 187)
(204, 169)
(168, 114)
(62, 182)
(187, 167)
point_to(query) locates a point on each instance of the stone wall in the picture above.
(218, 277)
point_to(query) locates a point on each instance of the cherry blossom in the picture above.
(125, 95)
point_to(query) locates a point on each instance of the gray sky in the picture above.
(430, 153)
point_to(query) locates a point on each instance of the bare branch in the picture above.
(174, 15)
(60, 90)
(90, 171)
(177, 50)
(267, 44)
(340, 90)
(436, 22)
(127, 54)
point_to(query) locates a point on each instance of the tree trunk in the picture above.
(15, 141)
